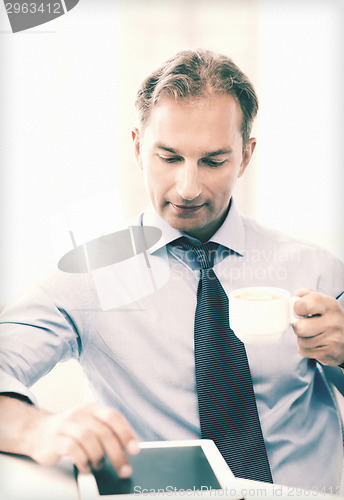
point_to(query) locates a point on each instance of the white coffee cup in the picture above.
(260, 315)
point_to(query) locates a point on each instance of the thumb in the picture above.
(302, 292)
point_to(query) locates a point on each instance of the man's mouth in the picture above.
(186, 209)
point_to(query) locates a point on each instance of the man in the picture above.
(192, 143)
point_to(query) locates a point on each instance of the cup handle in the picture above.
(292, 316)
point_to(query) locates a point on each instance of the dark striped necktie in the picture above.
(227, 406)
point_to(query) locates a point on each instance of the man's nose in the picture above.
(188, 184)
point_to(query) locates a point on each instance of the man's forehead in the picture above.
(222, 107)
(202, 116)
(199, 102)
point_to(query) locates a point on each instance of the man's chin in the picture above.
(185, 225)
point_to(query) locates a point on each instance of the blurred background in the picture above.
(67, 109)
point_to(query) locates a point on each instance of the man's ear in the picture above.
(135, 134)
(250, 147)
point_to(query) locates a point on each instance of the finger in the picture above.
(120, 427)
(68, 447)
(116, 454)
(310, 353)
(96, 439)
(310, 327)
(326, 348)
(117, 439)
(311, 304)
(88, 439)
(323, 354)
(315, 342)
(302, 292)
(83, 428)
(100, 430)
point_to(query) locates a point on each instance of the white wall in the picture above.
(300, 182)
(67, 110)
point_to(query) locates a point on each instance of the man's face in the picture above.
(190, 151)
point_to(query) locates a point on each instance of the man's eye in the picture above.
(213, 163)
(170, 159)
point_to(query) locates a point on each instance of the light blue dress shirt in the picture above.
(131, 327)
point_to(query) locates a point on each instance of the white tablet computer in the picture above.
(194, 468)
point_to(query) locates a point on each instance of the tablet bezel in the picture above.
(88, 489)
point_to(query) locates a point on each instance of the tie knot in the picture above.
(205, 253)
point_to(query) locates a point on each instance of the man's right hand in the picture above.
(85, 435)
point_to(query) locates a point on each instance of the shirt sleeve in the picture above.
(331, 281)
(43, 327)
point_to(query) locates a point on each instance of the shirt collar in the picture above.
(230, 235)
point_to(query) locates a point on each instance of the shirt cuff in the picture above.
(10, 385)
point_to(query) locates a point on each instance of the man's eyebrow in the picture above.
(165, 148)
(219, 152)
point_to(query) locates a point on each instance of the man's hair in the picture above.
(199, 73)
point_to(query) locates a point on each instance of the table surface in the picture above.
(21, 478)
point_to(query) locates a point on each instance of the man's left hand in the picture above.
(320, 331)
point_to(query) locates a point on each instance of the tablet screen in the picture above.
(159, 470)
